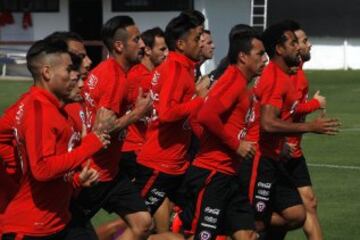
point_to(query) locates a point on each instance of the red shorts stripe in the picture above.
(199, 201)
(149, 183)
(253, 176)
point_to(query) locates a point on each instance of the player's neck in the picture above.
(281, 64)
(147, 63)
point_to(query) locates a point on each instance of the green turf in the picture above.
(337, 190)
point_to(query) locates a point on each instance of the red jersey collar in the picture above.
(276, 66)
(112, 59)
(44, 94)
(181, 58)
(237, 70)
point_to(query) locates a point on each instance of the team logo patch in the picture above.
(260, 206)
(92, 82)
(205, 235)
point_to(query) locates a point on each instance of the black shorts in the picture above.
(274, 189)
(214, 205)
(128, 165)
(299, 172)
(119, 196)
(244, 175)
(155, 186)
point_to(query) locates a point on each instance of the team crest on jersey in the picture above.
(92, 82)
(82, 116)
(19, 113)
(74, 141)
(155, 78)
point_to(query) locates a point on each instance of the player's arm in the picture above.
(210, 117)
(142, 106)
(317, 102)
(271, 122)
(40, 140)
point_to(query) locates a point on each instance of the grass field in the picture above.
(334, 162)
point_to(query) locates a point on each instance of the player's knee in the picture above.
(311, 203)
(143, 224)
(242, 235)
(295, 217)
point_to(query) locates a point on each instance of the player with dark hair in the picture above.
(296, 163)
(275, 95)
(162, 159)
(107, 87)
(47, 147)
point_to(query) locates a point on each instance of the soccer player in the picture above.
(275, 95)
(162, 159)
(45, 139)
(216, 205)
(296, 164)
(107, 87)
(140, 75)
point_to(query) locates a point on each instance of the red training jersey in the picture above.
(106, 87)
(138, 76)
(47, 150)
(276, 88)
(224, 116)
(168, 134)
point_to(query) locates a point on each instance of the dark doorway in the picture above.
(86, 20)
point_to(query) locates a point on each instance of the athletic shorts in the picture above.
(214, 205)
(299, 172)
(119, 196)
(128, 164)
(155, 186)
(274, 189)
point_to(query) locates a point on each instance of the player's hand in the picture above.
(323, 125)
(287, 150)
(246, 149)
(202, 86)
(104, 138)
(88, 176)
(104, 121)
(321, 99)
(143, 104)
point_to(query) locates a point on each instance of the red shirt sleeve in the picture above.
(41, 138)
(307, 107)
(221, 100)
(171, 106)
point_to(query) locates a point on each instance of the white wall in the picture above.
(334, 53)
(221, 16)
(43, 24)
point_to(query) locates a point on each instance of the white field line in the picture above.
(334, 166)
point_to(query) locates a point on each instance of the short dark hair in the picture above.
(149, 36)
(39, 50)
(241, 42)
(197, 15)
(207, 31)
(177, 28)
(293, 25)
(64, 36)
(274, 35)
(110, 33)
